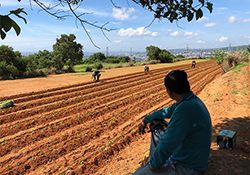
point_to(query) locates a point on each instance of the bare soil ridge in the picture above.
(79, 128)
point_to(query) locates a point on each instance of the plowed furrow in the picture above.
(88, 159)
(78, 87)
(83, 130)
(69, 101)
(75, 85)
(14, 127)
(94, 155)
(139, 108)
(72, 88)
(79, 92)
(20, 125)
(35, 134)
(50, 103)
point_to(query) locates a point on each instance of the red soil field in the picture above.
(76, 129)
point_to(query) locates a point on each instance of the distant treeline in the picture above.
(65, 55)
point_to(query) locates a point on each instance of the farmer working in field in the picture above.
(193, 64)
(146, 69)
(96, 75)
(183, 147)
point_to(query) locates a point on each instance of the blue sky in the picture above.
(228, 24)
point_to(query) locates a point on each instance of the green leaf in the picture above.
(210, 7)
(202, 2)
(22, 18)
(17, 13)
(190, 2)
(199, 14)
(166, 14)
(143, 3)
(190, 16)
(16, 27)
(6, 23)
(3, 35)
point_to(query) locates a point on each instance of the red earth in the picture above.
(91, 127)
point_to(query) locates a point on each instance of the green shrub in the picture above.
(119, 66)
(180, 56)
(124, 59)
(6, 104)
(88, 69)
(219, 56)
(8, 71)
(154, 61)
(113, 60)
(233, 59)
(33, 74)
(96, 57)
(98, 66)
(131, 64)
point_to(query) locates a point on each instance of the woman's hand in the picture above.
(142, 126)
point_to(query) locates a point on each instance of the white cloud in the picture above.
(210, 24)
(222, 39)
(201, 42)
(140, 31)
(122, 13)
(154, 34)
(220, 10)
(190, 34)
(203, 19)
(223, 8)
(232, 19)
(176, 33)
(14, 3)
(187, 34)
(117, 41)
(93, 11)
(246, 20)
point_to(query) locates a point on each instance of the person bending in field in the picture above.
(183, 147)
(96, 75)
(193, 64)
(146, 69)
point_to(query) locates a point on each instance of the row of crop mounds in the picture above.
(78, 128)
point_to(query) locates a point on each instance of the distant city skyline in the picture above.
(228, 24)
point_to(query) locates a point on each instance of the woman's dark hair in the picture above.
(176, 81)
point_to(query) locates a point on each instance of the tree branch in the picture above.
(83, 22)
(116, 6)
(63, 14)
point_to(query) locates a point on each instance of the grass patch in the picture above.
(82, 67)
(238, 67)
(235, 91)
(80, 74)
